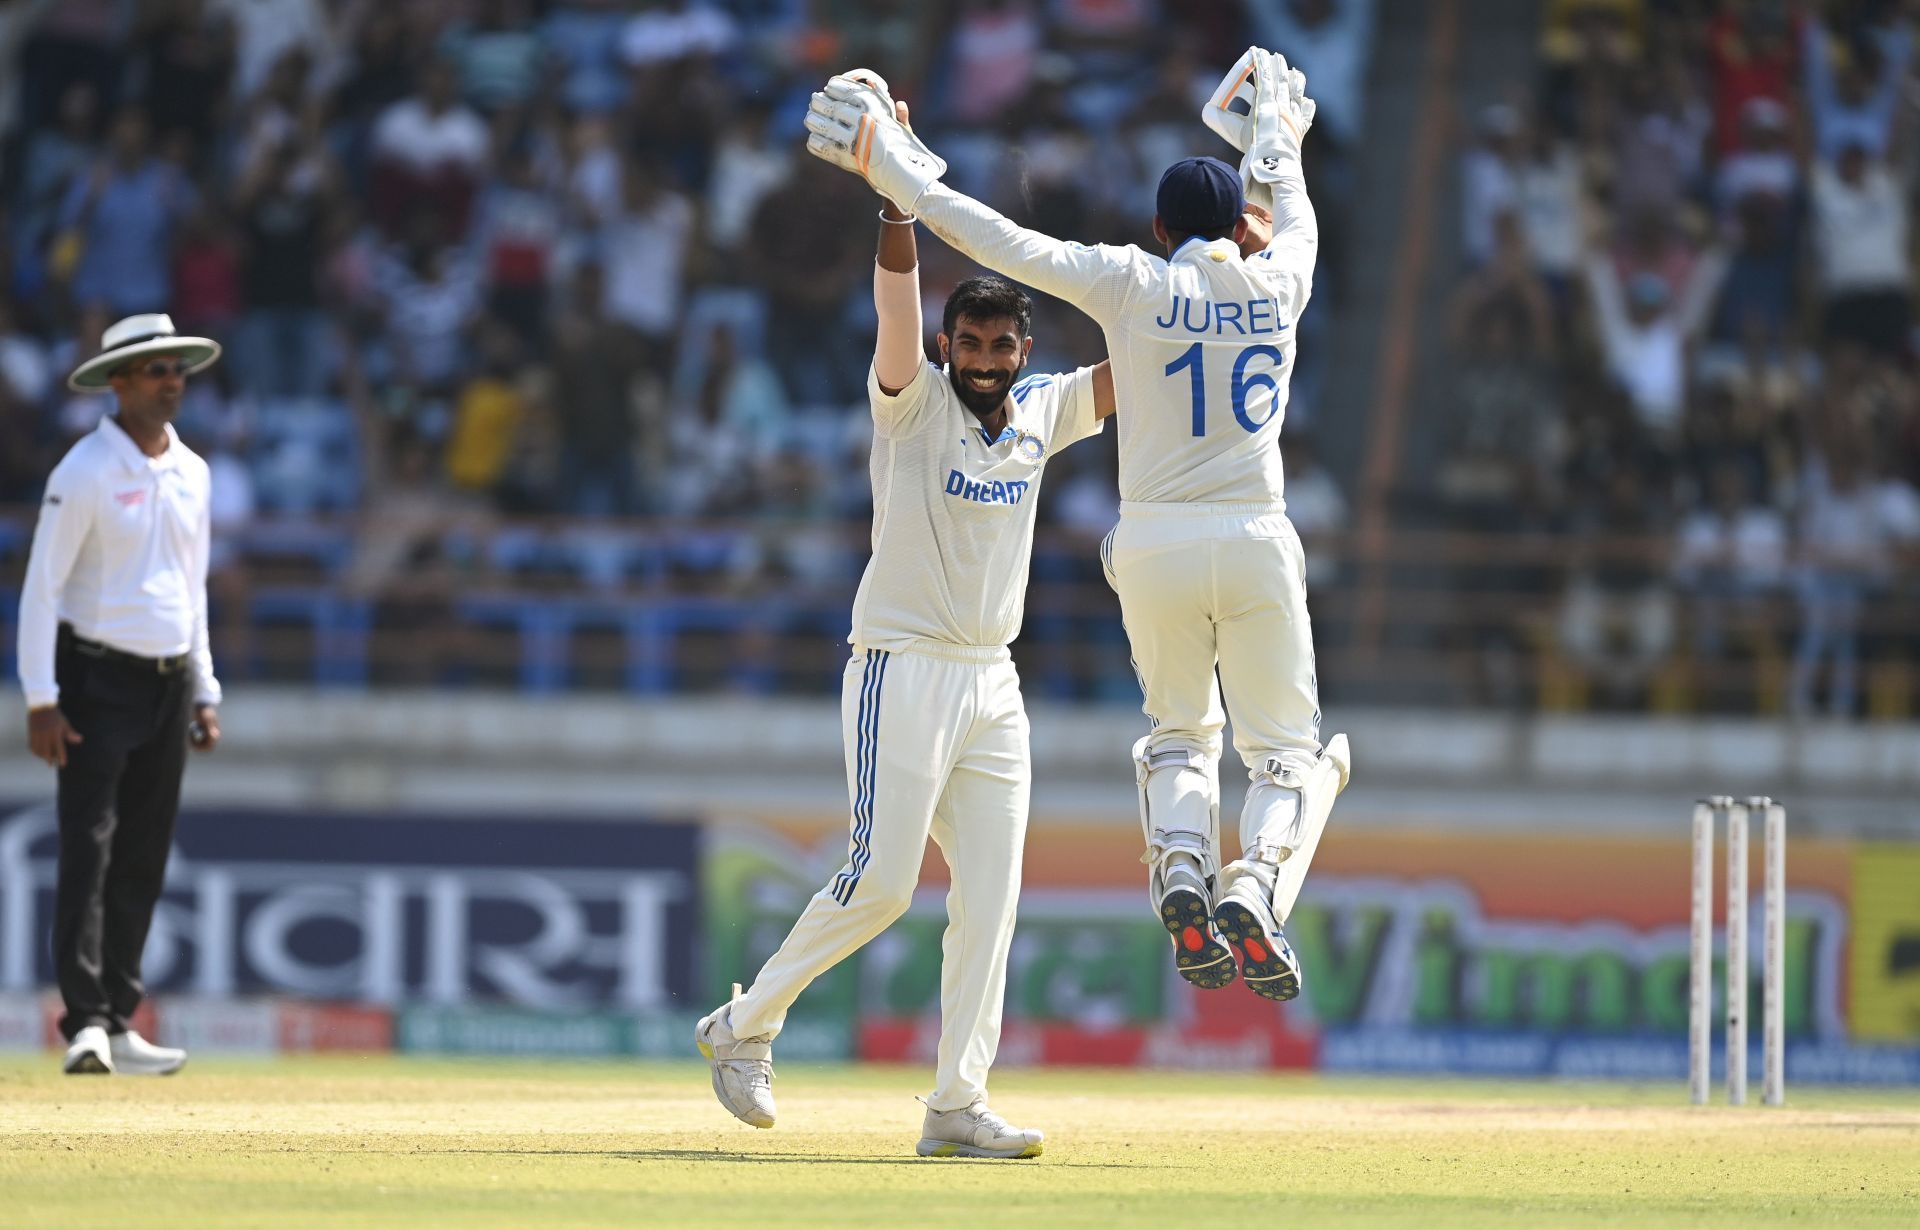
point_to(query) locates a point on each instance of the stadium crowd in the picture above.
(1685, 339)
(479, 261)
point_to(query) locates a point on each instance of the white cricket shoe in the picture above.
(742, 1067)
(975, 1131)
(1200, 954)
(135, 1056)
(1245, 918)
(90, 1054)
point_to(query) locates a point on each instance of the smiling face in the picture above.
(984, 358)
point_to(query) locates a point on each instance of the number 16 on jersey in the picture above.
(1193, 361)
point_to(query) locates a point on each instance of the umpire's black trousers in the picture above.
(119, 794)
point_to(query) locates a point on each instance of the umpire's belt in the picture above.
(169, 665)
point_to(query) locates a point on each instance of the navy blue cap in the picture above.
(1199, 194)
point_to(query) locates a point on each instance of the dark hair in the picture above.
(988, 298)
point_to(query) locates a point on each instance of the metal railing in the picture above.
(761, 606)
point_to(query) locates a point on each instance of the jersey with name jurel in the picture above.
(953, 512)
(1202, 342)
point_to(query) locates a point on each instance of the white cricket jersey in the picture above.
(120, 552)
(1202, 345)
(953, 512)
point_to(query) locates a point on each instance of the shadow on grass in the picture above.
(807, 1159)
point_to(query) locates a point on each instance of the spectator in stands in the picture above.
(487, 414)
(1860, 233)
(1504, 418)
(378, 73)
(732, 426)
(1855, 104)
(1661, 141)
(1488, 175)
(282, 205)
(16, 23)
(206, 274)
(267, 30)
(1730, 558)
(1551, 200)
(1843, 555)
(401, 562)
(120, 217)
(1752, 283)
(232, 505)
(1643, 341)
(810, 263)
(25, 378)
(429, 153)
(498, 56)
(73, 42)
(51, 159)
(429, 295)
(187, 63)
(995, 49)
(1617, 617)
(584, 36)
(643, 250)
(1750, 52)
(1765, 165)
(672, 30)
(594, 368)
(518, 231)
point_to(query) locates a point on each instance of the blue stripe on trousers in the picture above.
(866, 772)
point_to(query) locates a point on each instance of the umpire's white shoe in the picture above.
(135, 1056)
(90, 1054)
(975, 1131)
(742, 1067)
(1245, 918)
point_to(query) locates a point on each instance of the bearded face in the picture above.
(984, 358)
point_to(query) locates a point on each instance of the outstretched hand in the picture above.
(857, 126)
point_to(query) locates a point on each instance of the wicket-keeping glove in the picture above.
(1262, 109)
(852, 125)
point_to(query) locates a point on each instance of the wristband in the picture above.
(909, 220)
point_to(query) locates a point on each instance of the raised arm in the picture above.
(1262, 109)
(854, 125)
(1093, 279)
(897, 352)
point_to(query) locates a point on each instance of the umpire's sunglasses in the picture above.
(159, 369)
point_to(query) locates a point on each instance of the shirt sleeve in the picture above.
(901, 413)
(206, 688)
(1287, 263)
(1073, 410)
(66, 517)
(1097, 280)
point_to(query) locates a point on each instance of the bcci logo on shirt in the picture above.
(1029, 447)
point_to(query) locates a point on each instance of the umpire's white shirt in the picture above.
(953, 512)
(120, 552)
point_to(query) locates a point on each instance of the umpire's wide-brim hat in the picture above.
(126, 340)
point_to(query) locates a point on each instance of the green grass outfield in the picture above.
(408, 1142)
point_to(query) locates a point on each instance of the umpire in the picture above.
(118, 676)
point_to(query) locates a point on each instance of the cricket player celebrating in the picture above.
(934, 727)
(1208, 569)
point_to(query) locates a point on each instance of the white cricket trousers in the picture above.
(936, 742)
(1206, 586)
